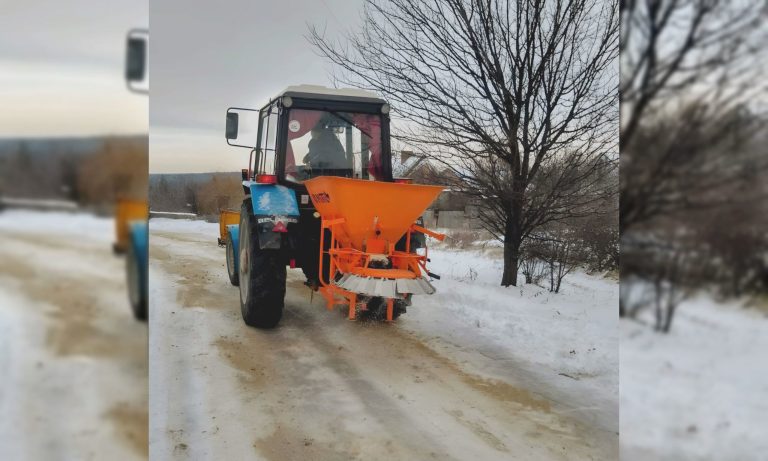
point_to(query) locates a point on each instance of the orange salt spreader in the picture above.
(366, 219)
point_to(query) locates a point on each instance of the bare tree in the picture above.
(736, 251)
(532, 261)
(659, 270)
(498, 91)
(688, 74)
(222, 191)
(117, 170)
(669, 288)
(599, 235)
(561, 251)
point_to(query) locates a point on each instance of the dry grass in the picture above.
(462, 238)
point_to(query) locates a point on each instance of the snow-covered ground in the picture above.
(73, 362)
(699, 392)
(463, 355)
(568, 341)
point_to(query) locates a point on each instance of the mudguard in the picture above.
(273, 200)
(274, 207)
(233, 230)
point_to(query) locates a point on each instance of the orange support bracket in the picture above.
(333, 222)
(352, 306)
(330, 292)
(425, 231)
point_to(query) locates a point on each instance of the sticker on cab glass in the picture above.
(294, 126)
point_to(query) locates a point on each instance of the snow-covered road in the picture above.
(73, 362)
(476, 372)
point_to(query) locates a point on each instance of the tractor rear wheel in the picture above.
(261, 275)
(231, 271)
(137, 281)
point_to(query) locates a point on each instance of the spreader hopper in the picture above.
(366, 220)
(368, 206)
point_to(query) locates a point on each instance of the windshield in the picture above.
(328, 143)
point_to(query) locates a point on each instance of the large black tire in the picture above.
(261, 274)
(137, 281)
(233, 277)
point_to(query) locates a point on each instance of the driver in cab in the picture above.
(326, 152)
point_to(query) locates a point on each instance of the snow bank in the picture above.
(184, 226)
(566, 343)
(572, 332)
(699, 392)
(40, 204)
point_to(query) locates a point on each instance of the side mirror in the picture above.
(232, 122)
(242, 127)
(136, 59)
(136, 66)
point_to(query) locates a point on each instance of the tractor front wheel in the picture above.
(137, 279)
(231, 271)
(261, 275)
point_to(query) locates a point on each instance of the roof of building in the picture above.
(407, 167)
(336, 94)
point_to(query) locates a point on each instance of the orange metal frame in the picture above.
(345, 259)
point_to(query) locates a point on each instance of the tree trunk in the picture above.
(551, 273)
(658, 288)
(669, 316)
(511, 260)
(512, 241)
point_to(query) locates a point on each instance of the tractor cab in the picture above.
(309, 131)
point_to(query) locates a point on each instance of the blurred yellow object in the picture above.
(226, 218)
(127, 210)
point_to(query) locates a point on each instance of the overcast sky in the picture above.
(206, 56)
(61, 68)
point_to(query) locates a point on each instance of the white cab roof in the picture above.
(322, 92)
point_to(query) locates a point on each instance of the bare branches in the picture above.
(689, 81)
(676, 45)
(501, 92)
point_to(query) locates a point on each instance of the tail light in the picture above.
(403, 180)
(266, 179)
(279, 227)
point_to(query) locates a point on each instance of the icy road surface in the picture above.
(320, 387)
(73, 362)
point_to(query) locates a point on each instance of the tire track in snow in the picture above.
(87, 396)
